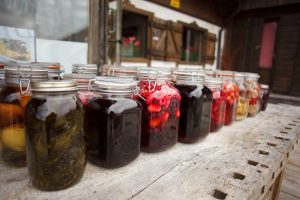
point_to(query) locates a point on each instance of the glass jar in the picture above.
(218, 109)
(82, 81)
(13, 100)
(161, 110)
(113, 122)
(55, 144)
(243, 101)
(265, 97)
(84, 69)
(2, 78)
(253, 92)
(195, 108)
(231, 91)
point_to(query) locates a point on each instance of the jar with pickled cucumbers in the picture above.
(13, 100)
(55, 143)
(113, 122)
(253, 93)
(265, 97)
(161, 110)
(243, 101)
(195, 108)
(231, 91)
(82, 81)
(218, 109)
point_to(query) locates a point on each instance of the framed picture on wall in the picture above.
(17, 44)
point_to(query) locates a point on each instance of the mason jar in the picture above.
(120, 71)
(113, 122)
(55, 144)
(232, 94)
(218, 109)
(82, 81)
(243, 100)
(161, 110)
(195, 107)
(253, 92)
(13, 100)
(265, 97)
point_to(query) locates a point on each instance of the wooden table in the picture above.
(242, 161)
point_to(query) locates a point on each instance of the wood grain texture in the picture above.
(231, 162)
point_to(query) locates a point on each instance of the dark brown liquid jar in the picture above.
(13, 100)
(218, 110)
(265, 97)
(161, 110)
(195, 107)
(113, 122)
(55, 144)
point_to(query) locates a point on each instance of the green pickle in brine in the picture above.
(55, 145)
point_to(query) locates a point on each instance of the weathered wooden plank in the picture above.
(241, 161)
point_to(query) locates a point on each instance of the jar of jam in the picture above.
(13, 100)
(195, 108)
(218, 109)
(84, 69)
(82, 81)
(113, 122)
(243, 101)
(161, 110)
(265, 97)
(232, 94)
(253, 92)
(55, 144)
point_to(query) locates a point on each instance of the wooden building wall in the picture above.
(243, 39)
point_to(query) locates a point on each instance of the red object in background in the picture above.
(268, 45)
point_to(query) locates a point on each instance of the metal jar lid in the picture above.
(213, 82)
(189, 77)
(120, 71)
(54, 86)
(190, 68)
(84, 68)
(239, 76)
(107, 84)
(264, 86)
(252, 76)
(15, 74)
(154, 74)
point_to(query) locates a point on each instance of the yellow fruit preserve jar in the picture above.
(13, 100)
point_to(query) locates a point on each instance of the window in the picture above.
(60, 28)
(193, 45)
(134, 34)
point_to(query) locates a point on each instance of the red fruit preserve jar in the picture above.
(113, 122)
(161, 110)
(82, 81)
(195, 108)
(218, 104)
(253, 92)
(232, 94)
(265, 97)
